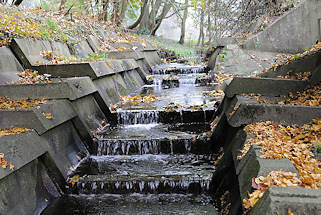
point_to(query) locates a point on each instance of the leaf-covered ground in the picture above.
(309, 97)
(56, 26)
(281, 60)
(7, 103)
(31, 77)
(281, 141)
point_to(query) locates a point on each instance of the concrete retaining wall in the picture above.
(44, 157)
(65, 135)
(27, 188)
(229, 137)
(9, 66)
(80, 91)
(110, 77)
(291, 33)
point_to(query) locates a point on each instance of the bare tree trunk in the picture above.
(201, 36)
(115, 16)
(209, 27)
(144, 25)
(105, 10)
(182, 38)
(158, 20)
(142, 13)
(62, 5)
(122, 13)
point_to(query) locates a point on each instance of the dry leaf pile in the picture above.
(292, 142)
(47, 115)
(30, 77)
(262, 184)
(214, 93)
(25, 103)
(12, 131)
(305, 76)
(220, 77)
(309, 97)
(4, 163)
(309, 51)
(135, 100)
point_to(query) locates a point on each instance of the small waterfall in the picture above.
(137, 117)
(121, 147)
(141, 147)
(153, 186)
(187, 81)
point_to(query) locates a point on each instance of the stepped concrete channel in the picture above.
(236, 111)
(144, 160)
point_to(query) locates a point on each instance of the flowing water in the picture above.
(147, 166)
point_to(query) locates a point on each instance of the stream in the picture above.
(145, 166)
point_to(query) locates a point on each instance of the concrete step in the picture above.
(153, 139)
(147, 174)
(162, 204)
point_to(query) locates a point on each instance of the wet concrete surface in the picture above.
(145, 167)
(140, 204)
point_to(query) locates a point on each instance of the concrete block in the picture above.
(136, 55)
(27, 190)
(152, 58)
(93, 43)
(71, 88)
(93, 70)
(289, 114)
(82, 93)
(263, 86)
(21, 149)
(288, 33)
(83, 49)
(308, 63)
(278, 200)
(8, 62)
(61, 111)
(253, 166)
(28, 50)
(144, 46)
(9, 66)
(122, 45)
(65, 145)
(60, 48)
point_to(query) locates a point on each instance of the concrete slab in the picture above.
(61, 111)
(253, 166)
(263, 86)
(93, 70)
(94, 43)
(83, 49)
(60, 48)
(82, 93)
(71, 88)
(278, 200)
(232, 59)
(152, 58)
(136, 55)
(21, 149)
(27, 190)
(28, 50)
(9, 66)
(248, 113)
(288, 33)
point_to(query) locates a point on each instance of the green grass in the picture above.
(318, 148)
(187, 51)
